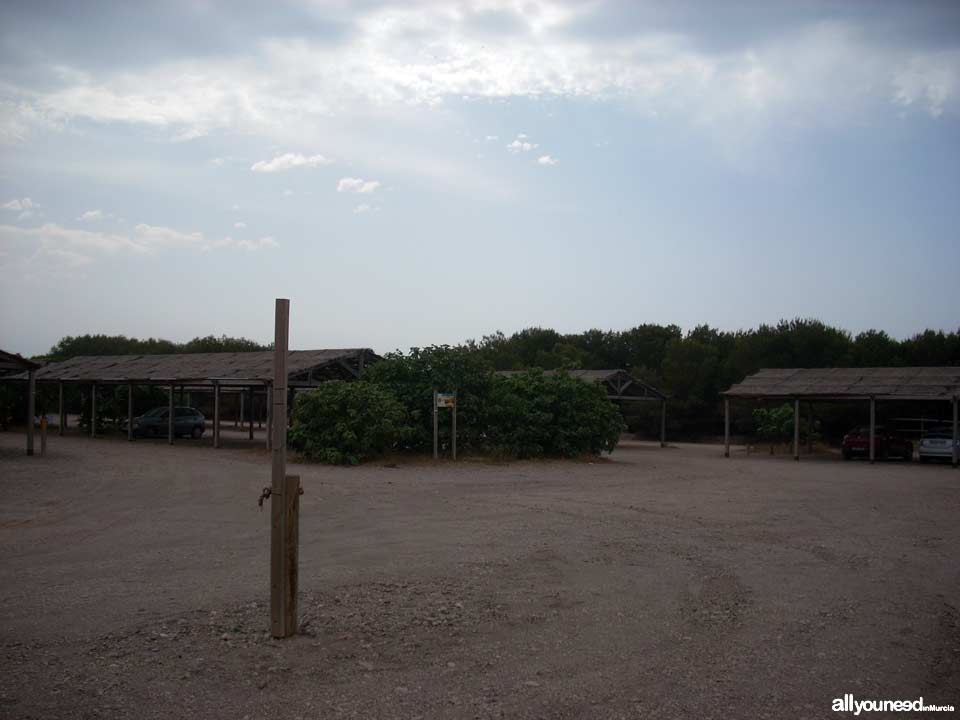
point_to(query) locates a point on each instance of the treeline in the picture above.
(71, 346)
(693, 368)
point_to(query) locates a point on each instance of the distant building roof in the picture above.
(887, 383)
(13, 363)
(305, 368)
(619, 384)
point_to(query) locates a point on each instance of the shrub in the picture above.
(413, 377)
(346, 423)
(531, 414)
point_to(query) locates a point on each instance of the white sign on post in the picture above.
(445, 400)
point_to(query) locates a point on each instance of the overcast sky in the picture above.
(422, 173)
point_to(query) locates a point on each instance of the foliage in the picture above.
(532, 415)
(412, 378)
(71, 346)
(775, 424)
(346, 423)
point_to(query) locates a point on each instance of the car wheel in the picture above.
(197, 432)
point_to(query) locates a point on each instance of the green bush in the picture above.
(531, 415)
(413, 377)
(346, 423)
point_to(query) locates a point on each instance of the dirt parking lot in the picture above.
(659, 583)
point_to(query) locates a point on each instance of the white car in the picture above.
(936, 445)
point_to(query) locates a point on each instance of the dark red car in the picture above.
(886, 445)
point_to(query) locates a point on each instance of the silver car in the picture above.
(936, 445)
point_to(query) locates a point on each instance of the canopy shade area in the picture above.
(237, 372)
(619, 385)
(13, 364)
(848, 384)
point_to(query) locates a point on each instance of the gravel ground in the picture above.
(659, 583)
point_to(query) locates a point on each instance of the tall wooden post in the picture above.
(873, 423)
(31, 407)
(796, 429)
(726, 427)
(129, 412)
(238, 420)
(170, 416)
(436, 437)
(63, 415)
(663, 423)
(284, 494)
(810, 428)
(43, 436)
(93, 410)
(216, 413)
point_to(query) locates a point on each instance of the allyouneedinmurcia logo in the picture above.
(851, 705)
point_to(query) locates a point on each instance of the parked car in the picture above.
(936, 444)
(886, 445)
(186, 421)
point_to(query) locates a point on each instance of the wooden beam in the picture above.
(170, 416)
(796, 429)
(63, 414)
(129, 412)
(93, 410)
(216, 413)
(726, 427)
(31, 407)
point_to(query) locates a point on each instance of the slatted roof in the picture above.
(887, 383)
(305, 368)
(13, 363)
(619, 384)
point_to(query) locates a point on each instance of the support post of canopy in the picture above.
(93, 410)
(250, 412)
(663, 423)
(170, 415)
(216, 413)
(63, 415)
(873, 427)
(726, 427)
(31, 407)
(796, 429)
(129, 411)
(956, 435)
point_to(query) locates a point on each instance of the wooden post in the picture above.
(43, 436)
(873, 421)
(129, 412)
(454, 427)
(269, 416)
(284, 494)
(436, 437)
(63, 414)
(250, 410)
(956, 435)
(238, 421)
(31, 407)
(810, 428)
(216, 413)
(796, 429)
(663, 423)
(170, 416)
(93, 410)
(726, 427)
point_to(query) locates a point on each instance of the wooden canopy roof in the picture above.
(13, 363)
(887, 383)
(306, 368)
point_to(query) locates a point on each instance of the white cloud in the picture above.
(158, 236)
(364, 208)
(490, 138)
(288, 192)
(521, 145)
(240, 225)
(288, 161)
(547, 160)
(51, 238)
(254, 245)
(95, 215)
(15, 204)
(359, 185)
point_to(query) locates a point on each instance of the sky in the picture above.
(430, 172)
